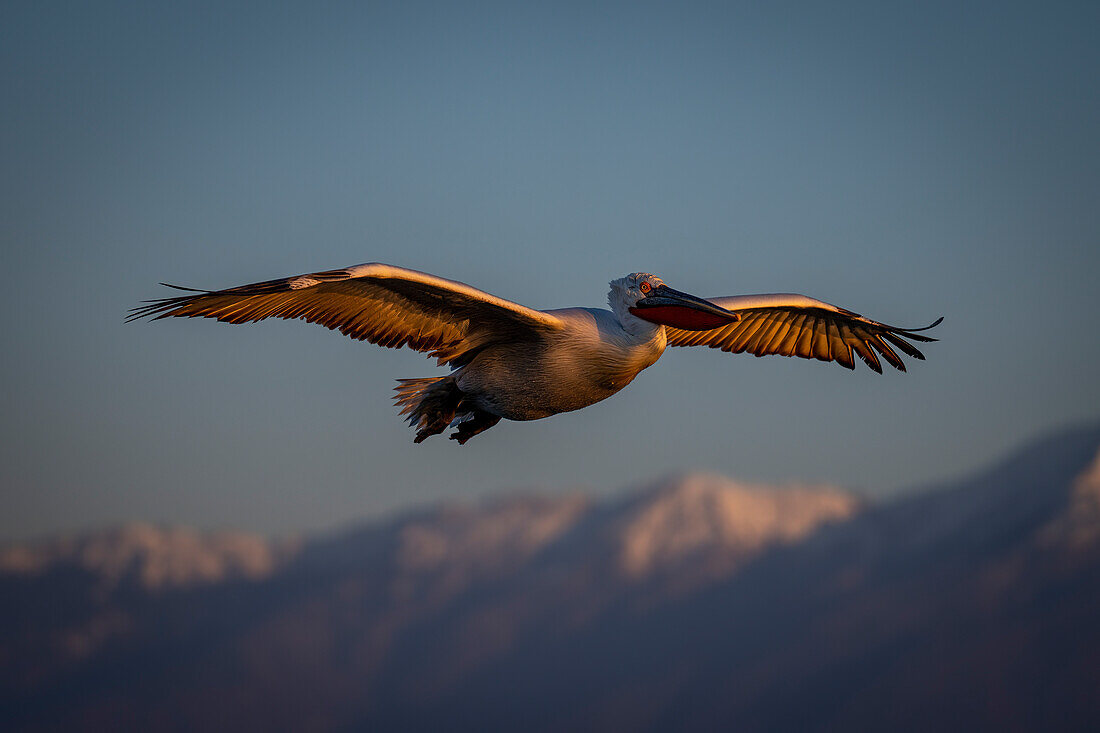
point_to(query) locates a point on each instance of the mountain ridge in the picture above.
(696, 601)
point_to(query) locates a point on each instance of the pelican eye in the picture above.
(644, 287)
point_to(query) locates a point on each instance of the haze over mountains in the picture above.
(698, 602)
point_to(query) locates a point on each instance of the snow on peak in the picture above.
(492, 534)
(154, 557)
(1078, 526)
(725, 520)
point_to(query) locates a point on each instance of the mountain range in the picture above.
(697, 603)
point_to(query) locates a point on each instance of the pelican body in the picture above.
(509, 361)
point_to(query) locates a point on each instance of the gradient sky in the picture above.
(904, 162)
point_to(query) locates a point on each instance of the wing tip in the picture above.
(931, 325)
(180, 287)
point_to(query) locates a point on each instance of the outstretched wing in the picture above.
(386, 305)
(794, 325)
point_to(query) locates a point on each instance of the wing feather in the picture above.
(745, 332)
(840, 350)
(767, 336)
(821, 341)
(779, 329)
(795, 325)
(906, 347)
(762, 335)
(859, 344)
(386, 305)
(789, 344)
(887, 352)
(805, 347)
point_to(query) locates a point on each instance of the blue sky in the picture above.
(904, 161)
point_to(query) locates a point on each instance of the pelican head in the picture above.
(646, 297)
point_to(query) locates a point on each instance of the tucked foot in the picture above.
(479, 423)
(429, 403)
(434, 428)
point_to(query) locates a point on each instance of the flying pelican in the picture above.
(509, 361)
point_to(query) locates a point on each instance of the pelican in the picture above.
(513, 362)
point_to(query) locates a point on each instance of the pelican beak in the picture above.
(670, 307)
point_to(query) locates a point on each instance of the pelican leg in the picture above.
(435, 427)
(479, 423)
(430, 404)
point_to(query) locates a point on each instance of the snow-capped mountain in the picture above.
(695, 603)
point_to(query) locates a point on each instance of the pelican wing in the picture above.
(794, 325)
(386, 305)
